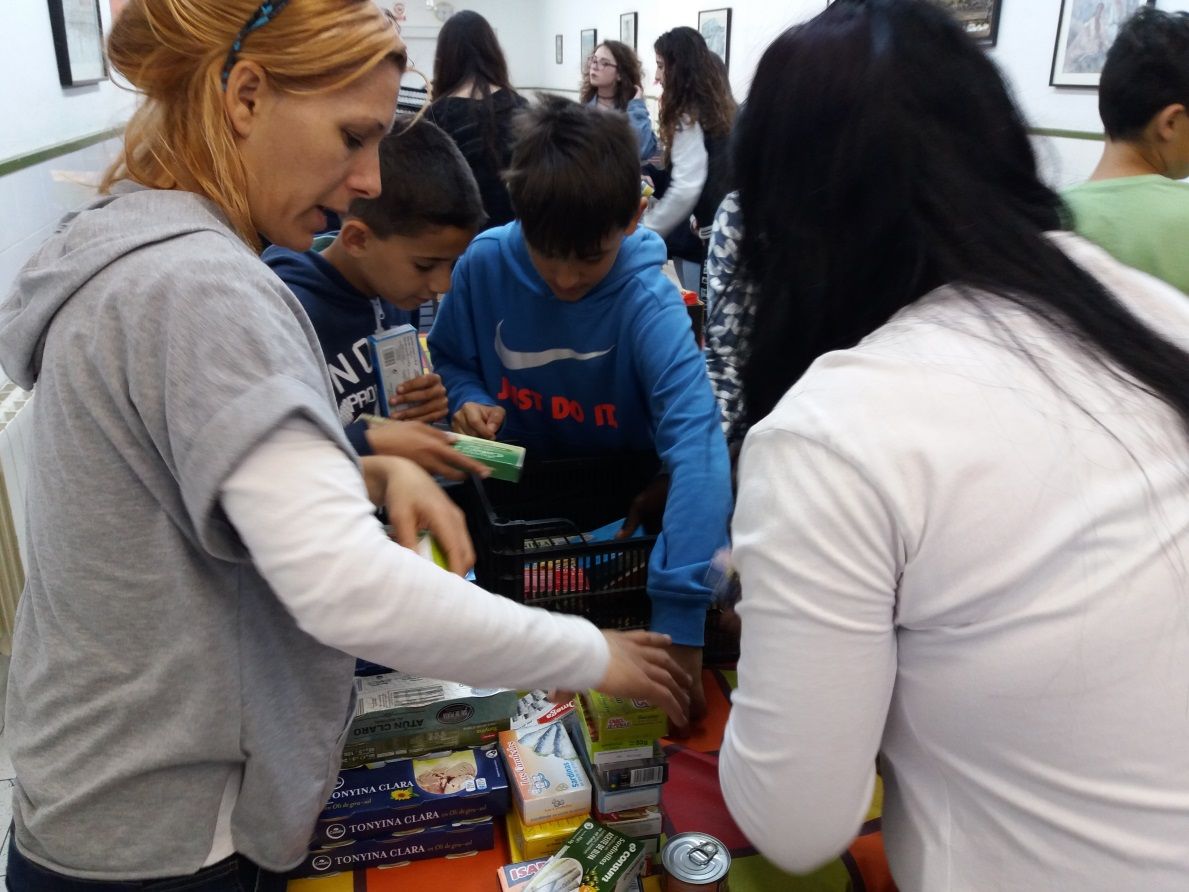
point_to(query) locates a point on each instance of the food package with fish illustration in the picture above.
(535, 710)
(400, 715)
(405, 793)
(547, 779)
(451, 840)
(594, 859)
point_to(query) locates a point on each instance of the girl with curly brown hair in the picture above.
(614, 81)
(696, 113)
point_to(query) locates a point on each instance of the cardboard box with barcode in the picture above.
(396, 358)
(595, 859)
(430, 790)
(547, 779)
(457, 839)
(601, 752)
(401, 715)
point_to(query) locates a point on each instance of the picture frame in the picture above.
(715, 27)
(557, 49)
(628, 25)
(1085, 31)
(980, 18)
(588, 39)
(77, 27)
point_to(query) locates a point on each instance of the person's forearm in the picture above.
(299, 505)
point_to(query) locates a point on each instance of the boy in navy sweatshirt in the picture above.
(561, 333)
(393, 253)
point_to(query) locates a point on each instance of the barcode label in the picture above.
(388, 356)
(642, 777)
(384, 700)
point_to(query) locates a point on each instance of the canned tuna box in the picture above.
(406, 793)
(411, 845)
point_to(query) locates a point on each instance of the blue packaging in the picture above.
(411, 845)
(404, 794)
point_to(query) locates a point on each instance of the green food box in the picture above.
(623, 720)
(505, 460)
(595, 858)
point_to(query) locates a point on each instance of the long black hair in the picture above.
(468, 52)
(879, 156)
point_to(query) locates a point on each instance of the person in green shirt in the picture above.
(1133, 205)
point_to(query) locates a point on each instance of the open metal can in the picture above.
(695, 862)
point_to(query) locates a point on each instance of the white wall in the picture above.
(36, 110)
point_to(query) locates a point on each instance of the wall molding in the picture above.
(20, 162)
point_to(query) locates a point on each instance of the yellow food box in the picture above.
(539, 840)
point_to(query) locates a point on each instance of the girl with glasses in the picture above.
(615, 81)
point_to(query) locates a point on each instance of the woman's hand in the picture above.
(427, 446)
(641, 667)
(415, 503)
(423, 398)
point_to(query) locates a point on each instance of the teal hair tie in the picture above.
(261, 17)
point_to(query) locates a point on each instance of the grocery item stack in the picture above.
(618, 743)
(422, 776)
(551, 793)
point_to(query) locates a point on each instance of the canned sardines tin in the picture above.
(695, 862)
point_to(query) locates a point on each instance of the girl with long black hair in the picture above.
(474, 102)
(963, 516)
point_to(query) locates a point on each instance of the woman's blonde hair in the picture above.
(174, 52)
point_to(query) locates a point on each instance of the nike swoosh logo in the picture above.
(515, 360)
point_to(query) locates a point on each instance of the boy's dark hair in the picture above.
(424, 182)
(574, 176)
(1146, 70)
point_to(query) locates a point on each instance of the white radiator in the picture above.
(16, 449)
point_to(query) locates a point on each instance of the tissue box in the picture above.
(546, 777)
(408, 793)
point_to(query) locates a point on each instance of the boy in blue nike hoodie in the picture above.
(393, 253)
(561, 333)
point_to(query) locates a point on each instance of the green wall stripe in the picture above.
(1067, 134)
(20, 162)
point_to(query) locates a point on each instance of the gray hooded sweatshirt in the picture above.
(151, 661)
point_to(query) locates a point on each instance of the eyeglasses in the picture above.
(596, 62)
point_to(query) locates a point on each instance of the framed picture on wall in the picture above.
(980, 18)
(557, 49)
(1085, 31)
(78, 42)
(627, 28)
(715, 25)
(587, 41)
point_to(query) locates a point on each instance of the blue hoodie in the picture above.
(617, 370)
(343, 317)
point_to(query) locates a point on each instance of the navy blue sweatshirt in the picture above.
(343, 316)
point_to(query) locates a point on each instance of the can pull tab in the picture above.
(703, 854)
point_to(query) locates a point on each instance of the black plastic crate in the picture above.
(557, 501)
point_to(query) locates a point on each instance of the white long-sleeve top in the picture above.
(977, 565)
(688, 166)
(301, 508)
